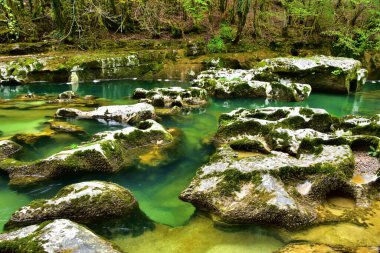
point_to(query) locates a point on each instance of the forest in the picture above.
(351, 26)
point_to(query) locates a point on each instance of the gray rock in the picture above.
(55, 236)
(8, 148)
(122, 113)
(106, 152)
(276, 165)
(236, 83)
(173, 96)
(326, 73)
(85, 203)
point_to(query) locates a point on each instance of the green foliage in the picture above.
(374, 152)
(216, 45)
(196, 9)
(337, 72)
(227, 33)
(73, 146)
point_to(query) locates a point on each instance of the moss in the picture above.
(233, 179)
(246, 144)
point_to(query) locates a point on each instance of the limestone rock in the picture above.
(277, 166)
(8, 148)
(108, 151)
(122, 113)
(229, 83)
(85, 203)
(65, 127)
(173, 96)
(327, 73)
(56, 236)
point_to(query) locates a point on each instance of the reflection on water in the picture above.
(157, 188)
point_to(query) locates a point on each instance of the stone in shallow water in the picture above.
(56, 236)
(173, 96)
(106, 152)
(229, 83)
(8, 148)
(123, 113)
(85, 203)
(328, 73)
(302, 158)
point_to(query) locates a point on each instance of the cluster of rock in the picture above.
(288, 78)
(173, 96)
(51, 225)
(276, 165)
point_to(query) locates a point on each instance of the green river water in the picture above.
(177, 229)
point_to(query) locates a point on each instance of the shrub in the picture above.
(216, 45)
(227, 33)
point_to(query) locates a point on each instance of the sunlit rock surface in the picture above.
(230, 83)
(278, 165)
(55, 236)
(327, 73)
(86, 203)
(121, 113)
(173, 96)
(107, 151)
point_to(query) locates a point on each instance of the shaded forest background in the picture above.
(351, 26)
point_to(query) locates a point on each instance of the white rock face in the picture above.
(58, 236)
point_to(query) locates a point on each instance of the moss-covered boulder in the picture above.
(55, 236)
(325, 73)
(85, 203)
(106, 152)
(278, 166)
(8, 148)
(17, 71)
(121, 113)
(230, 83)
(174, 96)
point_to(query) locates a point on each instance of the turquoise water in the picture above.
(157, 188)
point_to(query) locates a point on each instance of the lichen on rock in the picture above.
(8, 149)
(55, 236)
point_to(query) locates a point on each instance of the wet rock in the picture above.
(55, 236)
(17, 71)
(307, 247)
(8, 148)
(106, 152)
(173, 96)
(195, 48)
(32, 138)
(277, 166)
(85, 203)
(326, 73)
(121, 113)
(229, 83)
(65, 127)
(67, 95)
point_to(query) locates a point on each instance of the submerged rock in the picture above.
(54, 236)
(8, 148)
(65, 127)
(327, 73)
(85, 203)
(106, 152)
(229, 83)
(173, 96)
(121, 113)
(277, 166)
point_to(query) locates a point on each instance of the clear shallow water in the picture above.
(157, 188)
